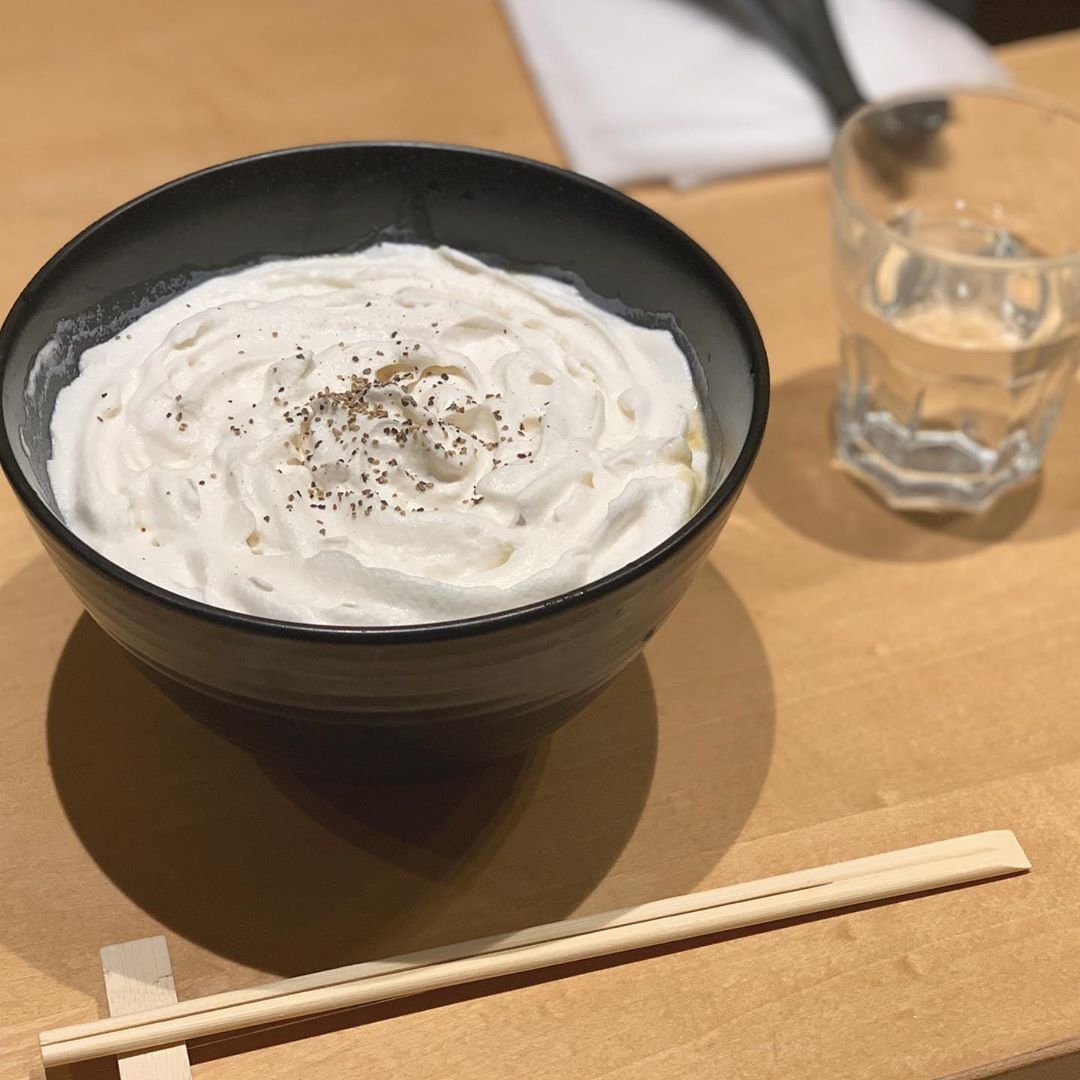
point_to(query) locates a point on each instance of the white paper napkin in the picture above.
(665, 90)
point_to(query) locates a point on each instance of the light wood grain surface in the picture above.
(838, 682)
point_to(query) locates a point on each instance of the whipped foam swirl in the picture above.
(405, 435)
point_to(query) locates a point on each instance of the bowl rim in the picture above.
(745, 326)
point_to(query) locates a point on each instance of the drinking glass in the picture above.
(956, 268)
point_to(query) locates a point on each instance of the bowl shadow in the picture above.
(290, 875)
(797, 480)
(278, 872)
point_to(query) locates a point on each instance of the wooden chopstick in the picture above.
(911, 870)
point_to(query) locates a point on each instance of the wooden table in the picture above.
(838, 682)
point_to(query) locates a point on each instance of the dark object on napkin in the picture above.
(802, 31)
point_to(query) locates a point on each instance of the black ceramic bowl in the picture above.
(399, 700)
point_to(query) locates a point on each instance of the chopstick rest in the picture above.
(138, 976)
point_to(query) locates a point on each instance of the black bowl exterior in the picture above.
(397, 698)
(390, 710)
